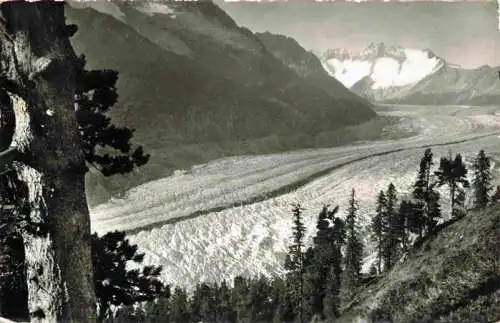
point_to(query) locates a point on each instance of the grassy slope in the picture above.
(452, 277)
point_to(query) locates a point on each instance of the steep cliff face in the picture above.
(190, 76)
(399, 75)
(452, 277)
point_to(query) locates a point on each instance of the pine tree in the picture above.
(127, 314)
(318, 266)
(401, 224)
(392, 201)
(379, 227)
(262, 305)
(427, 199)
(95, 96)
(240, 298)
(285, 311)
(354, 252)
(311, 286)
(97, 143)
(416, 221)
(179, 306)
(324, 264)
(38, 85)
(114, 283)
(203, 303)
(453, 173)
(433, 209)
(214, 303)
(332, 301)
(392, 238)
(423, 182)
(225, 308)
(161, 309)
(295, 260)
(482, 180)
(203, 307)
(196, 304)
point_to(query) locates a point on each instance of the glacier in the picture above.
(228, 217)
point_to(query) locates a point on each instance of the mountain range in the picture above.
(196, 86)
(393, 74)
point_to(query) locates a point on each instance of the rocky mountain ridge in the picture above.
(392, 74)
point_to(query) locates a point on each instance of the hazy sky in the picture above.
(464, 33)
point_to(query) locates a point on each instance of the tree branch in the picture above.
(9, 155)
(6, 171)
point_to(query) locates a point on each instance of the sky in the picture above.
(464, 33)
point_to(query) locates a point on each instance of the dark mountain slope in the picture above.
(304, 63)
(190, 76)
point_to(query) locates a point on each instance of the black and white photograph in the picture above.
(250, 161)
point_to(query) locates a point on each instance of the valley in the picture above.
(235, 163)
(232, 217)
(208, 88)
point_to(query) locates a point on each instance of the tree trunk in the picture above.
(379, 257)
(452, 195)
(38, 75)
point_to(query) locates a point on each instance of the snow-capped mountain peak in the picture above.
(377, 50)
(372, 51)
(384, 66)
(388, 74)
(380, 66)
(340, 53)
(152, 8)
